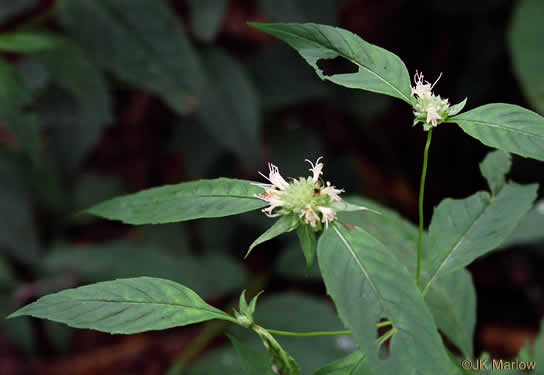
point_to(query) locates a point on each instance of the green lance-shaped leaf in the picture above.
(283, 225)
(462, 230)
(378, 70)
(494, 168)
(308, 243)
(28, 41)
(453, 318)
(353, 364)
(525, 39)
(186, 201)
(367, 284)
(146, 46)
(125, 306)
(452, 300)
(507, 127)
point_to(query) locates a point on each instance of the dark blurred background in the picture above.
(144, 93)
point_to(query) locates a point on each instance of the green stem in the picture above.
(308, 334)
(421, 195)
(385, 323)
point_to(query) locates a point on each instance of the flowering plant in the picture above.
(390, 281)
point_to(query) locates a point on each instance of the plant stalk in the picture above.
(308, 334)
(421, 195)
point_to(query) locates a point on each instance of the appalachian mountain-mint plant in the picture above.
(394, 286)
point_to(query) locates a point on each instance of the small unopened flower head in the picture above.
(306, 198)
(428, 108)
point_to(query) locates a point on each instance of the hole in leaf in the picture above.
(338, 65)
(384, 332)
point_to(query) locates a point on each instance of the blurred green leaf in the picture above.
(6, 278)
(255, 363)
(353, 364)
(377, 69)
(462, 230)
(282, 80)
(93, 188)
(181, 202)
(206, 17)
(75, 124)
(191, 137)
(222, 361)
(10, 8)
(367, 284)
(95, 263)
(452, 300)
(506, 127)
(229, 107)
(529, 230)
(525, 41)
(216, 233)
(124, 306)
(18, 236)
(324, 11)
(28, 41)
(35, 75)
(61, 335)
(17, 331)
(146, 46)
(14, 101)
(494, 168)
(290, 264)
(173, 237)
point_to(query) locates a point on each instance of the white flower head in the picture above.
(428, 108)
(304, 198)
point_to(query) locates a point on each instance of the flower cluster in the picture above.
(429, 109)
(307, 198)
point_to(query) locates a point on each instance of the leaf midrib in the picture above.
(453, 119)
(177, 305)
(363, 270)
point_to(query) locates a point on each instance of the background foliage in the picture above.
(105, 97)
